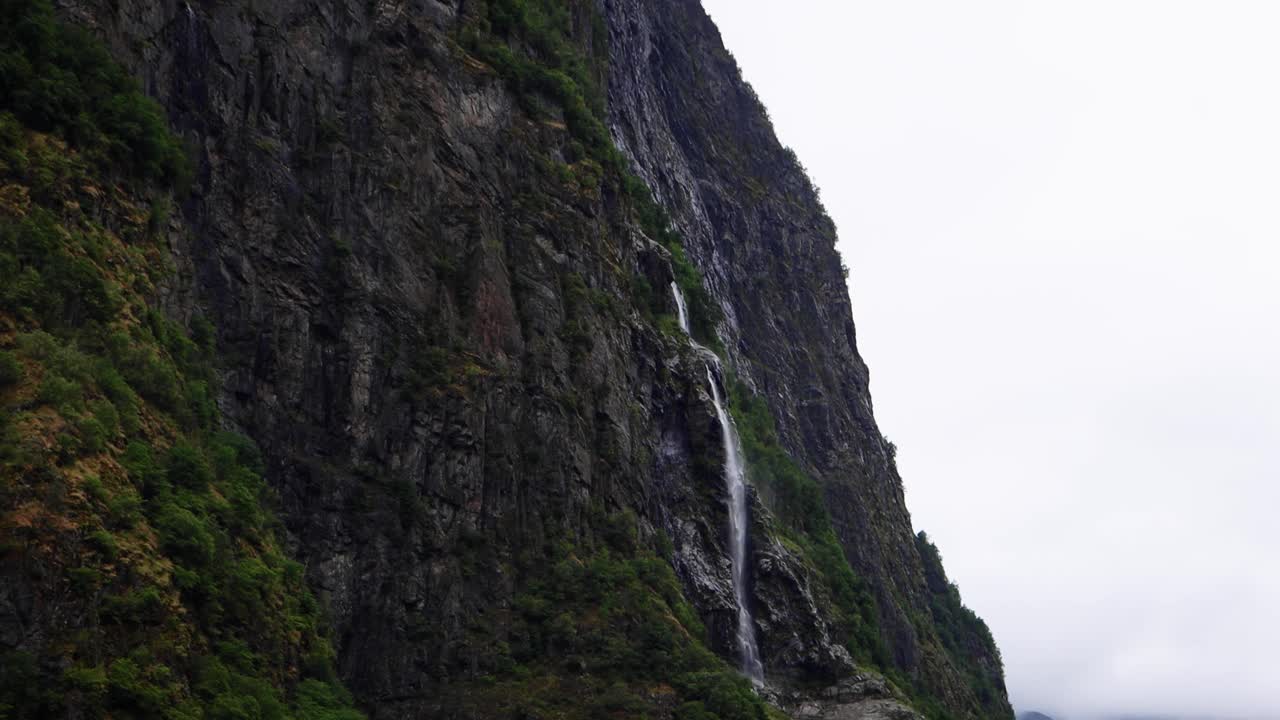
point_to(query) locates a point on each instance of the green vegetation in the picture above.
(574, 332)
(10, 370)
(436, 371)
(965, 636)
(530, 43)
(704, 314)
(57, 79)
(604, 631)
(797, 501)
(151, 529)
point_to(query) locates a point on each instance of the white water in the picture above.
(681, 309)
(735, 475)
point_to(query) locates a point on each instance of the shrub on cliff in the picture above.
(157, 548)
(58, 79)
(10, 369)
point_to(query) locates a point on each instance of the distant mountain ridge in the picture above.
(1033, 715)
(1158, 716)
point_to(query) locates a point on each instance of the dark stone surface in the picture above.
(373, 232)
(754, 224)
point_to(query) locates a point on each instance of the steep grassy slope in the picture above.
(141, 567)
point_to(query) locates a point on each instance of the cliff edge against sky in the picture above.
(385, 407)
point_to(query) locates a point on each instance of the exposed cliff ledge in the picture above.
(435, 309)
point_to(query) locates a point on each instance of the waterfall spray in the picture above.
(682, 310)
(735, 476)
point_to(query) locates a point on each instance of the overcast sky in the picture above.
(1063, 223)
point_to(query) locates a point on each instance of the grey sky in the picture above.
(1063, 221)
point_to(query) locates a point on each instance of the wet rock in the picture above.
(795, 635)
(394, 279)
(753, 224)
(862, 696)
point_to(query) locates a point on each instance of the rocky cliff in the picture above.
(430, 244)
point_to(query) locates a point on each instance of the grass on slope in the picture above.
(602, 630)
(157, 584)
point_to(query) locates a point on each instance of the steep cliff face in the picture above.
(753, 222)
(142, 572)
(441, 310)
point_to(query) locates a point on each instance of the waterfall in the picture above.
(682, 310)
(735, 475)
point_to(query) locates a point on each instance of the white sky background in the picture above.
(1063, 223)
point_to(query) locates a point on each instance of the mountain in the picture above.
(343, 372)
(1032, 715)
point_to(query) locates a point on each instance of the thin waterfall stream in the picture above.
(735, 474)
(682, 310)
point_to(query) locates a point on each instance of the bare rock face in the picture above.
(858, 710)
(753, 222)
(861, 696)
(432, 335)
(783, 592)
